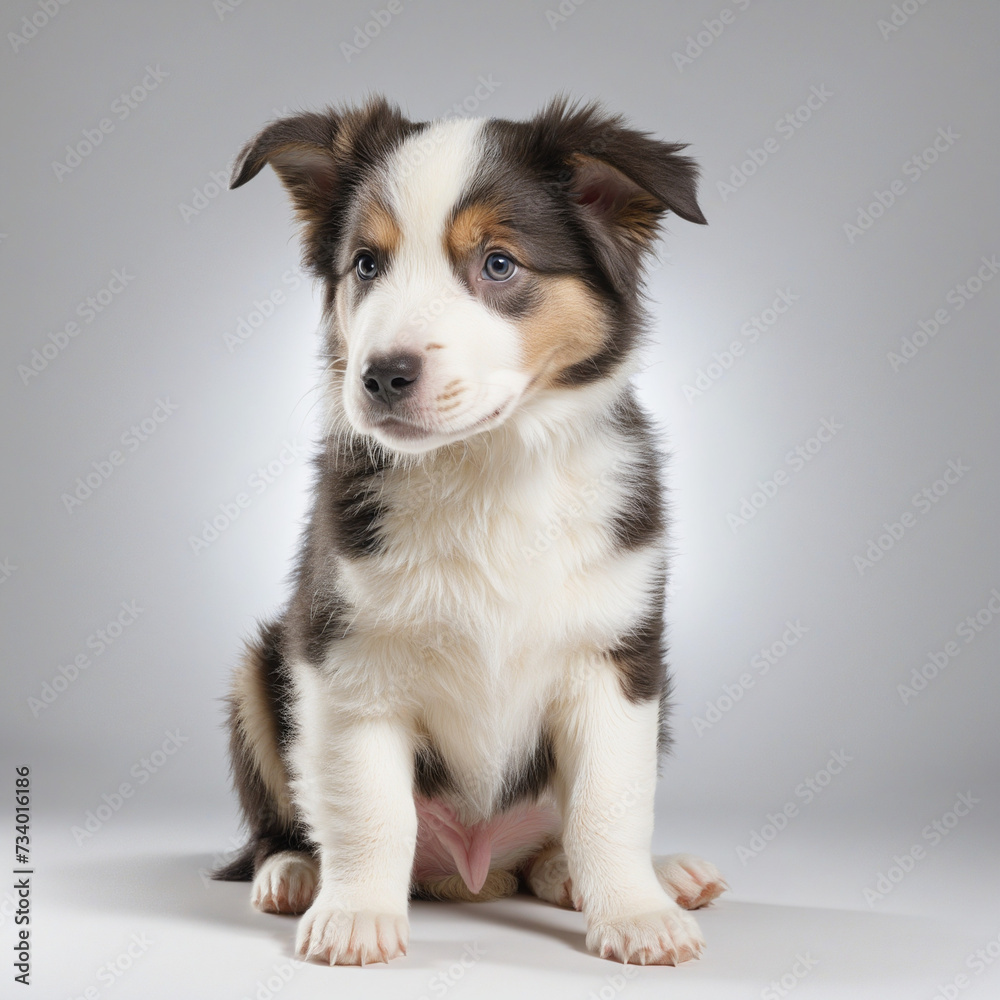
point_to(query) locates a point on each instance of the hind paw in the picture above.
(285, 883)
(549, 878)
(690, 880)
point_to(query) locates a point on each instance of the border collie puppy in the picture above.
(466, 693)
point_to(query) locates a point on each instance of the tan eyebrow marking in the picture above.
(475, 226)
(378, 225)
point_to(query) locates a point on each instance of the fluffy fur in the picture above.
(467, 690)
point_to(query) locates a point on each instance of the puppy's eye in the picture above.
(365, 267)
(499, 267)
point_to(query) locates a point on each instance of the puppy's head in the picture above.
(471, 265)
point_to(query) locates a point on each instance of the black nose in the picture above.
(391, 378)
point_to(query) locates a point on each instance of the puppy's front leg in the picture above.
(605, 750)
(354, 788)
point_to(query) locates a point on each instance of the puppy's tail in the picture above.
(239, 869)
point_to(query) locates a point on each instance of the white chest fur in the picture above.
(499, 574)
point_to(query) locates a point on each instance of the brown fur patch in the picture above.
(566, 327)
(474, 228)
(377, 227)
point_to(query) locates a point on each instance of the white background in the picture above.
(197, 259)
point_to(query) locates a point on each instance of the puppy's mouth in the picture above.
(408, 429)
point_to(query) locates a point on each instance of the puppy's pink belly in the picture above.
(447, 847)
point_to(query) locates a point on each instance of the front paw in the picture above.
(343, 937)
(664, 937)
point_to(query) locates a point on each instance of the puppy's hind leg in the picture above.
(690, 880)
(547, 875)
(278, 858)
(285, 881)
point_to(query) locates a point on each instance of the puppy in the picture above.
(466, 693)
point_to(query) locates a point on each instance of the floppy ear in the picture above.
(302, 151)
(622, 180)
(319, 156)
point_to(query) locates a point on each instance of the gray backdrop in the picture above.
(824, 368)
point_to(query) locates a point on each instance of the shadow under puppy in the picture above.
(467, 690)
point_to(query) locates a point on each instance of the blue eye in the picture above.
(366, 267)
(499, 267)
